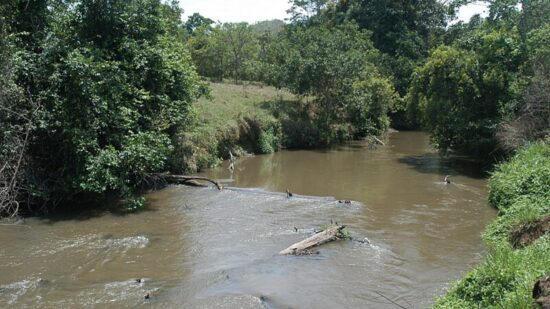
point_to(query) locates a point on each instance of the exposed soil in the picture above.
(529, 232)
(541, 292)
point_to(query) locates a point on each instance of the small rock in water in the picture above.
(147, 296)
(364, 241)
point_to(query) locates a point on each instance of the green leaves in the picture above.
(462, 92)
(119, 169)
(115, 84)
(528, 173)
(332, 66)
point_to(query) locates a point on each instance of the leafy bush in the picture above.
(113, 84)
(333, 67)
(370, 101)
(463, 92)
(504, 280)
(527, 174)
(269, 140)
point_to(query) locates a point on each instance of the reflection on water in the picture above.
(202, 248)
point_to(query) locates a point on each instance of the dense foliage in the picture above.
(404, 31)
(112, 84)
(479, 87)
(96, 95)
(334, 68)
(486, 90)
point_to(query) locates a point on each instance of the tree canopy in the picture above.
(111, 82)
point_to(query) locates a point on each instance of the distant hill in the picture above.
(273, 26)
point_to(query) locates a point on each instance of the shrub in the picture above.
(525, 209)
(113, 82)
(504, 280)
(528, 173)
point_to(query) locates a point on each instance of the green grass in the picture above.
(239, 118)
(520, 190)
(517, 178)
(229, 103)
(504, 280)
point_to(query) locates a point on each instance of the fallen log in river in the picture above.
(186, 180)
(334, 232)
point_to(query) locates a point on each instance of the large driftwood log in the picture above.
(188, 180)
(328, 235)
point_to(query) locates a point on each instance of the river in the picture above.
(203, 248)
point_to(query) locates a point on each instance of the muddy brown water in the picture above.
(200, 248)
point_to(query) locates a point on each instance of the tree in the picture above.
(531, 122)
(462, 94)
(404, 30)
(16, 118)
(197, 21)
(242, 46)
(303, 10)
(333, 67)
(114, 84)
(209, 51)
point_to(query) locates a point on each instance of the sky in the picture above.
(257, 10)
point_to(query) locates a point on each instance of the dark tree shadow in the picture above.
(87, 209)
(433, 163)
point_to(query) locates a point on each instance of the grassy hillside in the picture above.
(239, 118)
(230, 103)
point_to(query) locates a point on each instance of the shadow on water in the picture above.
(114, 207)
(433, 163)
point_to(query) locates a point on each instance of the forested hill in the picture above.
(98, 95)
(273, 26)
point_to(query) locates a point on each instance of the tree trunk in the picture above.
(331, 234)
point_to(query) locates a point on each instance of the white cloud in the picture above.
(257, 10)
(237, 10)
(466, 12)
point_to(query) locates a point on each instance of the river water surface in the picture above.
(202, 248)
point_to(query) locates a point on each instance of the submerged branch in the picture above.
(187, 180)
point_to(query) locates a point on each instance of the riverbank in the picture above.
(519, 245)
(252, 118)
(236, 118)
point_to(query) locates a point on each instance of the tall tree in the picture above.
(302, 10)
(333, 67)
(196, 21)
(114, 83)
(404, 30)
(242, 45)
